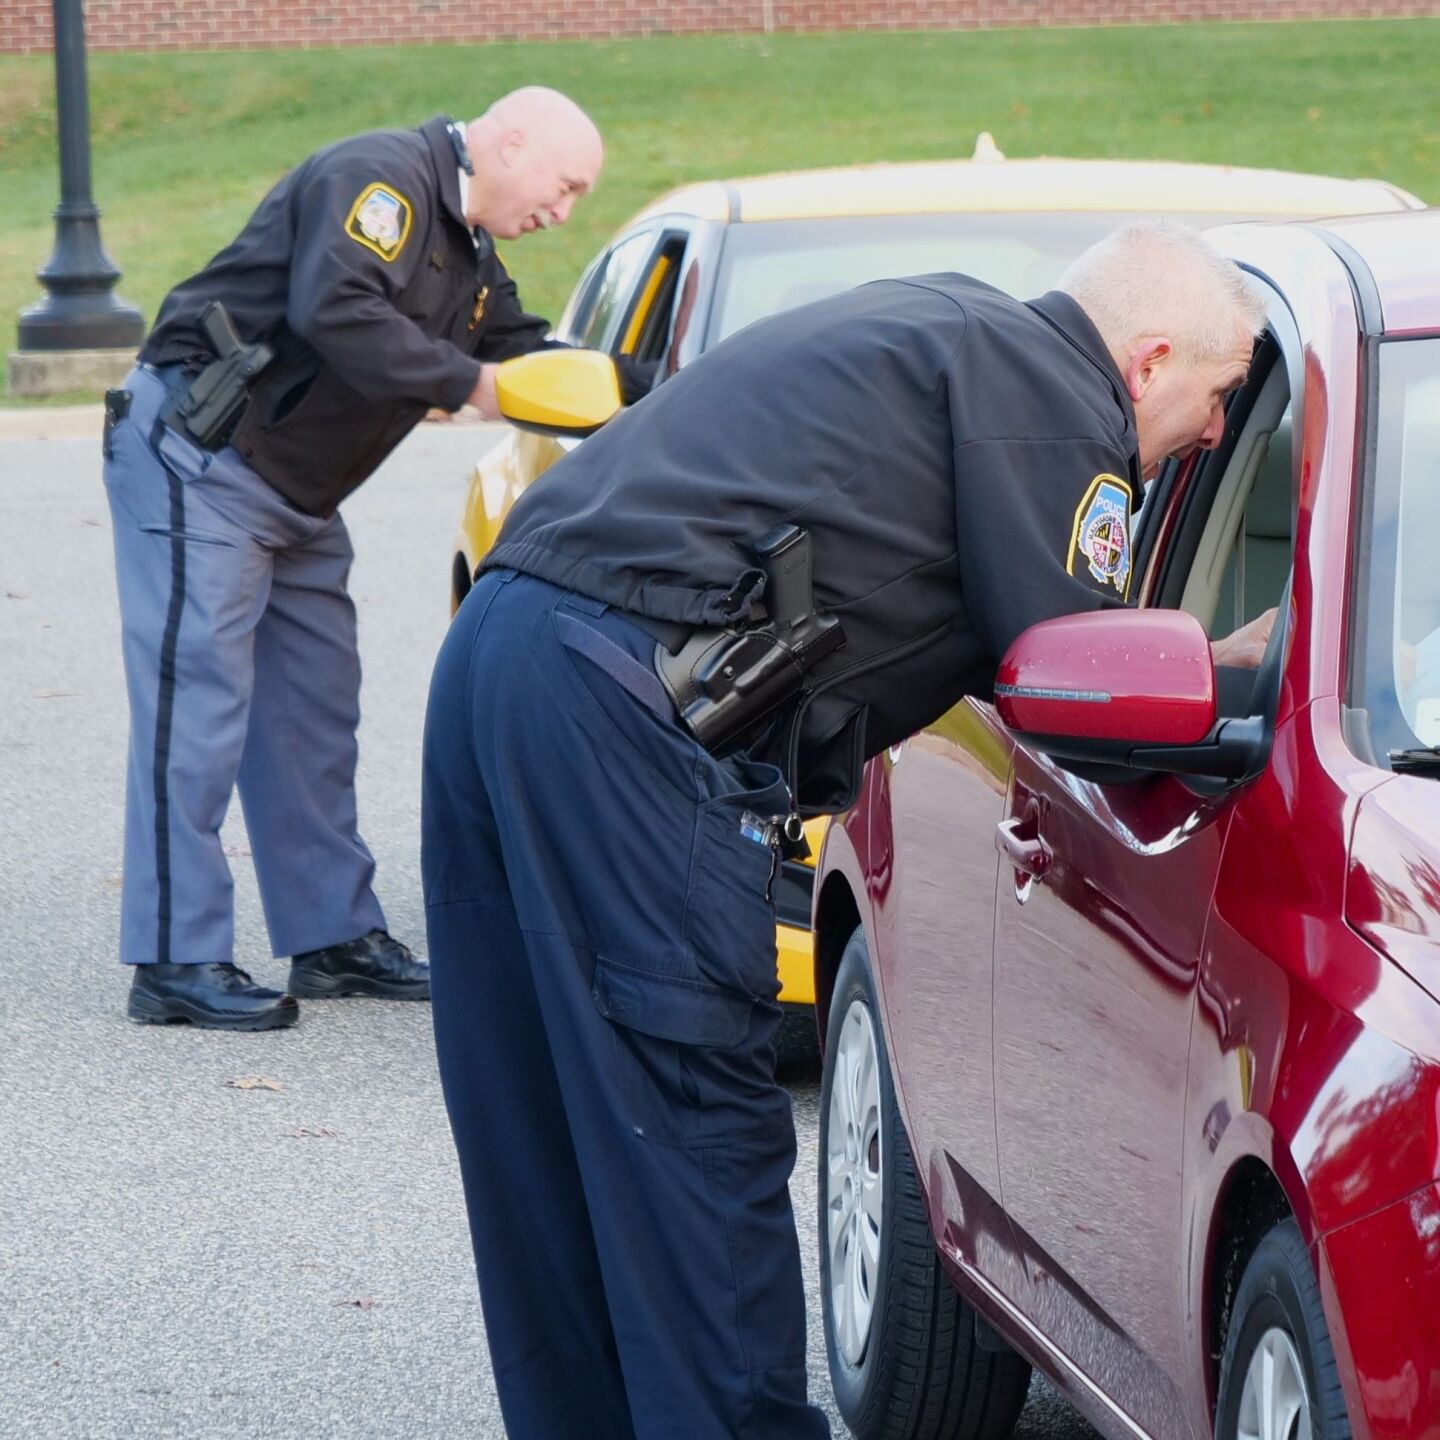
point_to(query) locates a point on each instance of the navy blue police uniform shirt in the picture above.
(964, 462)
(359, 271)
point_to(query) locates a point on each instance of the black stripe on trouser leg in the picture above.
(165, 710)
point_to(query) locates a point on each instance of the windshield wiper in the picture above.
(1423, 760)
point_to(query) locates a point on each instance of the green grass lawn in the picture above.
(184, 145)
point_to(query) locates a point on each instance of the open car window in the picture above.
(1246, 547)
(1220, 541)
(605, 306)
(646, 331)
(1216, 533)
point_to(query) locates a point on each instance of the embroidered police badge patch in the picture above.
(380, 220)
(1101, 538)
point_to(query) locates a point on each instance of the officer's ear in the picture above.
(565, 393)
(1147, 359)
(513, 145)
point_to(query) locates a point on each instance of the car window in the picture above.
(615, 287)
(771, 266)
(1215, 534)
(646, 333)
(1396, 662)
(581, 304)
(1245, 547)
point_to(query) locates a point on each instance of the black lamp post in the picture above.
(79, 313)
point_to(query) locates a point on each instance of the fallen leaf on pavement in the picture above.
(253, 1082)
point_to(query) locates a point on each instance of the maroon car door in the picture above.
(933, 867)
(1100, 913)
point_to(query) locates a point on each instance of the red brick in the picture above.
(25, 25)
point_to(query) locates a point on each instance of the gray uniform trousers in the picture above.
(241, 666)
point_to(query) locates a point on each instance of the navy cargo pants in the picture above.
(603, 981)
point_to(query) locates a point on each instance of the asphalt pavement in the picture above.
(214, 1235)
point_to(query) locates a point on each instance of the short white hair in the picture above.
(1156, 277)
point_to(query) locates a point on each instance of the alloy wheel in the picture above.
(854, 1193)
(1274, 1404)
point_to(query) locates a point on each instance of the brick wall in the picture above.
(25, 26)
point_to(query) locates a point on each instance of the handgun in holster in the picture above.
(725, 681)
(210, 407)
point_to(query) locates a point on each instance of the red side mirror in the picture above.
(1143, 676)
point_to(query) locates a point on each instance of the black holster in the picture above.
(724, 682)
(208, 409)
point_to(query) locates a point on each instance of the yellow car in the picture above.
(704, 260)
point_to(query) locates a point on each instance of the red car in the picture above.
(1132, 1064)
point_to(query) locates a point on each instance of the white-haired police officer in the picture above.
(597, 882)
(364, 290)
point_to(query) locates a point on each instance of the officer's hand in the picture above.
(482, 397)
(1246, 646)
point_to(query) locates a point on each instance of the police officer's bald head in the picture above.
(1179, 319)
(535, 152)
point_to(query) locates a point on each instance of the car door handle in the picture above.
(1029, 854)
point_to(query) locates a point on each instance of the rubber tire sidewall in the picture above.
(1279, 1289)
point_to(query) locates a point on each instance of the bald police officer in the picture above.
(370, 273)
(598, 884)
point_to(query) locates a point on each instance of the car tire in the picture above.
(1277, 1318)
(920, 1370)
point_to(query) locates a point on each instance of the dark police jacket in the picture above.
(965, 464)
(359, 270)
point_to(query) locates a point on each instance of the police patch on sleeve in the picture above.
(1100, 543)
(380, 220)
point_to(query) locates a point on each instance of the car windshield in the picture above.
(777, 264)
(1396, 673)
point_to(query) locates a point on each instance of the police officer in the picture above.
(598, 884)
(370, 275)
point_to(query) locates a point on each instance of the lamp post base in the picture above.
(80, 322)
(79, 312)
(35, 374)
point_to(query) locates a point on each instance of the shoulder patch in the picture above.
(1100, 540)
(380, 220)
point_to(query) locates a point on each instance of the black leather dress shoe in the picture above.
(215, 997)
(375, 964)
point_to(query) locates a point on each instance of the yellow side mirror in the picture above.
(558, 392)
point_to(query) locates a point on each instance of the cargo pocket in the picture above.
(671, 1008)
(729, 926)
(686, 1056)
